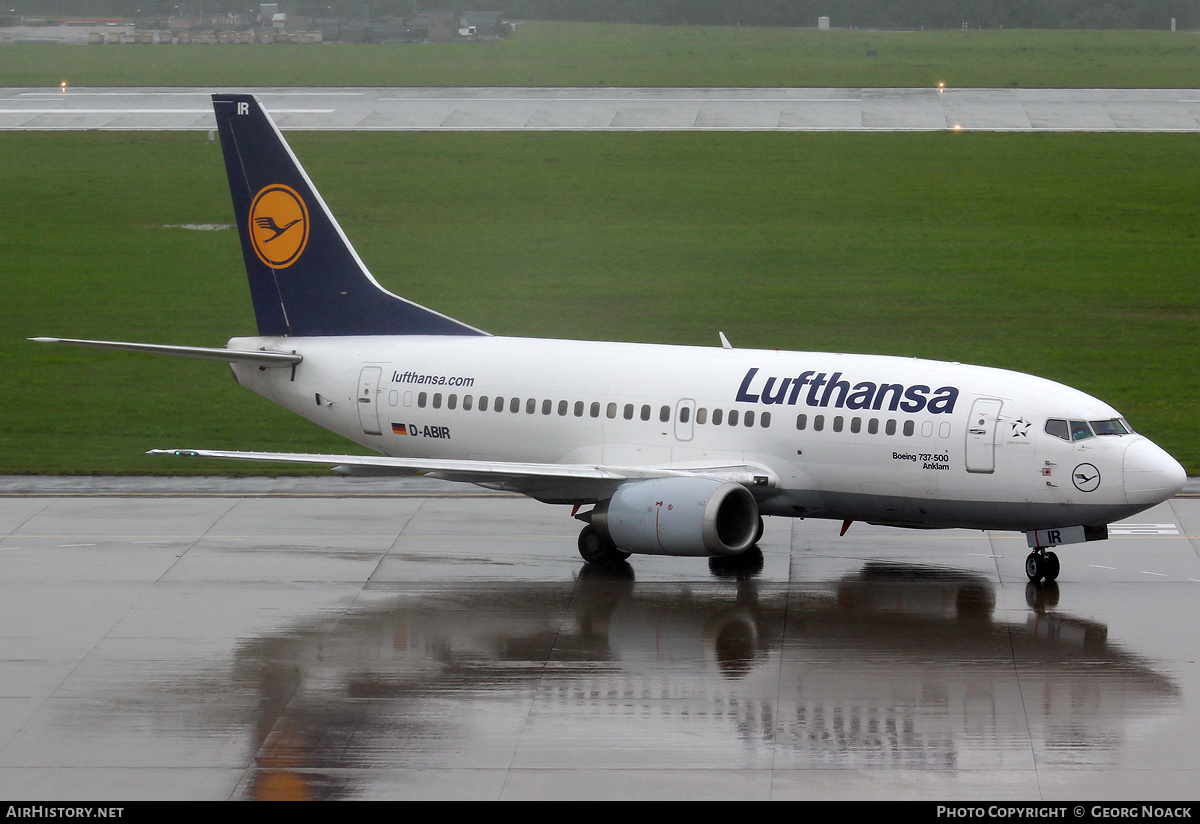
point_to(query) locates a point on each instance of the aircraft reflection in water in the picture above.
(894, 667)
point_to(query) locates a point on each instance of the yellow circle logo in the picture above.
(278, 225)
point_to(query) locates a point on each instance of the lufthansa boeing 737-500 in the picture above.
(667, 450)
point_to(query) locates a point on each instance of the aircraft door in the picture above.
(685, 413)
(368, 399)
(981, 435)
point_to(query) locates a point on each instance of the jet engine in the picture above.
(679, 516)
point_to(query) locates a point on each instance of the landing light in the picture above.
(64, 85)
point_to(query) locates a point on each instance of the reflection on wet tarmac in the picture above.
(896, 666)
(401, 646)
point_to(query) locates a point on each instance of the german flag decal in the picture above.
(278, 225)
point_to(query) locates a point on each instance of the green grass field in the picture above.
(1071, 256)
(577, 54)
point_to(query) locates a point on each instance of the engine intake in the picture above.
(679, 516)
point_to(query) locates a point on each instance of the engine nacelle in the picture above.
(679, 516)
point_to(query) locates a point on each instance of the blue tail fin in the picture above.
(305, 277)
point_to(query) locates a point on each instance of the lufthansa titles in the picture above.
(822, 390)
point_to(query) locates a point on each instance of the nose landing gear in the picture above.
(1041, 565)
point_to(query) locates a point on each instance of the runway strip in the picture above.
(588, 109)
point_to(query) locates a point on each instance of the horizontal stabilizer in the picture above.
(256, 356)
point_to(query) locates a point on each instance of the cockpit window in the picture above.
(1111, 427)
(1080, 430)
(1058, 428)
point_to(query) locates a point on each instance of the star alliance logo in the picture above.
(278, 225)
(1020, 428)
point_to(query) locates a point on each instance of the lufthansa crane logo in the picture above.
(278, 225)
(1086, 477)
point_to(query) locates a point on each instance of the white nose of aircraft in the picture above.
(1151, 475)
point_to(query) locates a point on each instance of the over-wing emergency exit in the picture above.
(669, 450)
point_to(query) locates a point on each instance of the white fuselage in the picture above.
(882, 439)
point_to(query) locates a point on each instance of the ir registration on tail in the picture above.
(665, 450)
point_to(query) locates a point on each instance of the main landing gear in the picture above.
(1041, 565)
(598, 549)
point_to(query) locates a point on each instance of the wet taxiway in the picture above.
(620, 109)
(215, 639)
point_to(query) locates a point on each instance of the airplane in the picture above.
(675, 450)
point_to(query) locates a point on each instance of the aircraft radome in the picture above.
(677, 450)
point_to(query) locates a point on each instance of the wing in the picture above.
(551, 483)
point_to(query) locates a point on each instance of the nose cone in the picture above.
(1151, 475)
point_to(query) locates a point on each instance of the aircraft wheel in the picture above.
(1034, 567)
(1050, 566)
(598, 549)
(759, 533)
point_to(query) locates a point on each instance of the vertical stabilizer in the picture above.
(305, 277)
